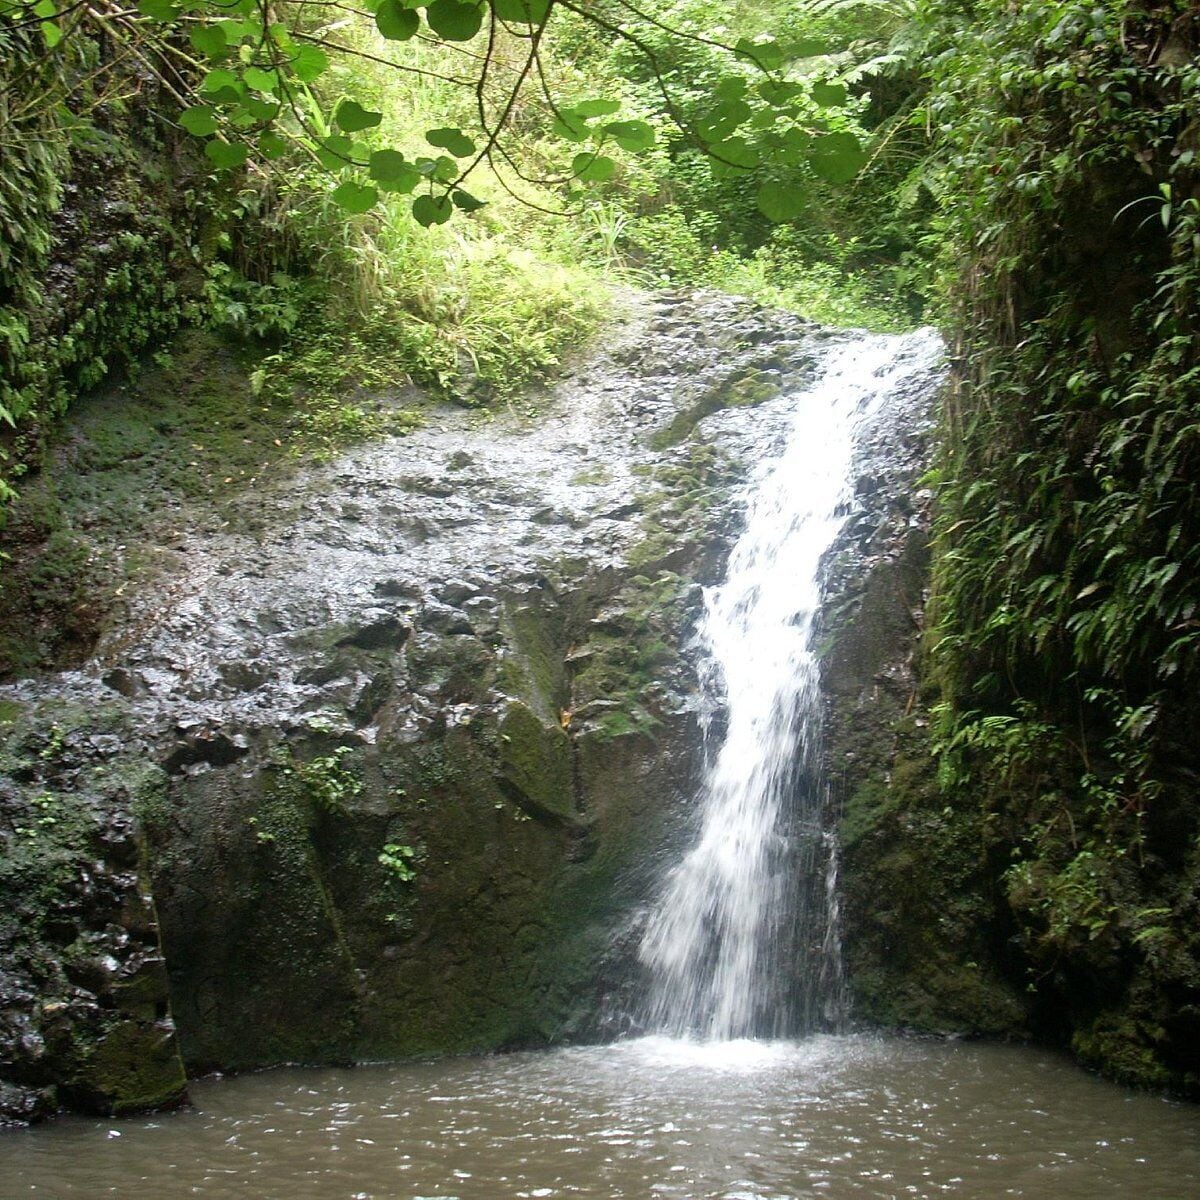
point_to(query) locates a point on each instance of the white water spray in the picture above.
(750, 902)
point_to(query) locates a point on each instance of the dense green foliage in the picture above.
(1067, 557)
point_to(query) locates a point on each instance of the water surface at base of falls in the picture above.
(658, 1118)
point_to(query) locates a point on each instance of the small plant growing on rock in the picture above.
(397, 861)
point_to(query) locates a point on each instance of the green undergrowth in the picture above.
(1067, 549)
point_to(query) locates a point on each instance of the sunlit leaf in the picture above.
(631, 135)
(200, 120)
(593, 168)
(309, 63)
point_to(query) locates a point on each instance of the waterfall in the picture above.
(743, 941)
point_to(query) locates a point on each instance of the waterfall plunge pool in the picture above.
(852, 1116)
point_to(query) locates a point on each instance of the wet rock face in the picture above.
(407, 735)
(919, 926)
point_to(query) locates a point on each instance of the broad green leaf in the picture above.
(455, 21)
(837, 157)
(723, 120)
(200, 120)
(735, 153)
(807, 48)
(393, 172)
(732, 87)
(225, 156)
(236, 31)
(570, 127)
(780, 201)
(524, 12)
(271, 145)
(779, 94)
(596, 108)
(432, 210)
(333, 153)
(309, 63)
(45, 8)
(222, 87)
(159, 10)
(209, 40)
(355, 197)
(261, 110)
(465, 201)
(453, 140)
(593, 168)
(395, 22)
(631, 135)
(766, 52)
(260, 80)
(353, 118)
(52, 33)
(445, 170)
(828, 95)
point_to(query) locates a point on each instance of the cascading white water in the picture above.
(727, 944)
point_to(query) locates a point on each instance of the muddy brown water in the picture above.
(827, 1117)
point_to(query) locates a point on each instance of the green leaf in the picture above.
(352, 117)
(765, 52)
(261, 110)
(159, 10)
(333, 153)
(466, 201)
(524, 12)
(200, 120)
(780, 201)
(570, 127)
(45, 8)
(837, 157)
(779, 94)
(355, 197)
(723, 120)
(735, 153)
(631, 135)
(271, 145)
(260, 80)
(309, 62)
(395, 22)
(432, 210)
(455, 21)
(732, 87)
(393, 172)
(828, 95)
(51, 33)
(225, 156)
(445, 170)
(593, 168)
(222, 87)
(209, 40)
(596, 108)
(807, 48)
(453, 140)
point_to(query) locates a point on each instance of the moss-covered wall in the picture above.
(101, 212)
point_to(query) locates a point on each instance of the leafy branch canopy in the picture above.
(247, 75)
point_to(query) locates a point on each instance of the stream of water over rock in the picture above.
(755, 893)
